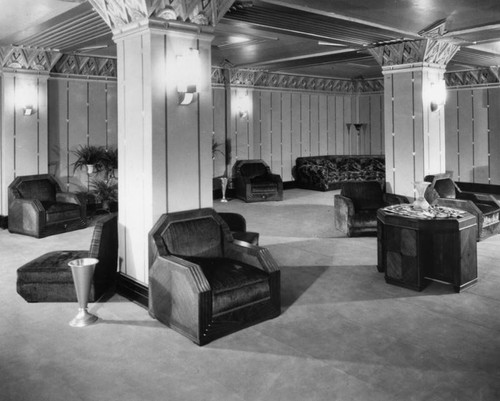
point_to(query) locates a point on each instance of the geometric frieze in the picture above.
(264, 79)
(482, 76)
(26, 58)
(86, 65)
(117, 13)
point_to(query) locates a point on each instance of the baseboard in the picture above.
(289, 185)
(132, 290)
(4, 222)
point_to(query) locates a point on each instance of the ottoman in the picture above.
(48, 278)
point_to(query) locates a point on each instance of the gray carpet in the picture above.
(344, 334)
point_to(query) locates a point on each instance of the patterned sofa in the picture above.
(324, 173)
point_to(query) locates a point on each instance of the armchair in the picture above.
(357, 204)
(203, 283)
(238, 226)
(38, 207)
(254, 181)
(445, 192)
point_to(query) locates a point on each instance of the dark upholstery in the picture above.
(445, 192)
(238, 226)
(48, 278)
(204, 284)
(356, 207)
(38, 208)
(324, 173)
(254, 182)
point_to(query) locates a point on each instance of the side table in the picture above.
(412, 250)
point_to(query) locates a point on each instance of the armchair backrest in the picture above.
(365, 195)
(252, 168)
(445, 187)
(191, 233)
(42, 187)
(104, 244)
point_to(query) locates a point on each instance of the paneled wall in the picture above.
(473, 134)
(283, 125)
(23, 140)
(81, 112)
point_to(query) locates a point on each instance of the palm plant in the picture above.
(106, 191)
(88, 155)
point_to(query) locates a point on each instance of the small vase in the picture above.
(223, 181)
(420, 202)
(82, 271)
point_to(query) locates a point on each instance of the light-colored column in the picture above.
(414, 133)
(164, 147)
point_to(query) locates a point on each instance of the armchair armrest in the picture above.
(68, 197)
(26, 216)
(461, 204)
(344, 205)
(481, 198)
(343, 213)
(252, 255)
(393, 199)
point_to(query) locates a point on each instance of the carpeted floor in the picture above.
(344, 334)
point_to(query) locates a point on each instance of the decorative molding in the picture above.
(264, 79)
(26, 58)
(117, 13)
(86, 65)
(479, 77)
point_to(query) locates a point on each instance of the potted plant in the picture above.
(88, 156)
(110, 161)
(106, 192)
(215, 149)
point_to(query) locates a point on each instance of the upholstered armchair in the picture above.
(254, 181)
(444, 192)
(203, 283)
(238, 226)
(39, 208)
(356, 207)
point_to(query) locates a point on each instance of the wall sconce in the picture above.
(437, 95)
(188, 79)
(26, 98)
(242, 105)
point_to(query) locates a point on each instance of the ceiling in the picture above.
(327, 38)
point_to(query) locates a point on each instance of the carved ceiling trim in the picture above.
(86, 65)
(472, 78)
(26, 58)
(117, 13)
(264, 79)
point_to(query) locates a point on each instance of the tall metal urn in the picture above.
(83, 271)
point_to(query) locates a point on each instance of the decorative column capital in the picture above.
(117, 13)
(435, 48)
(27, 58)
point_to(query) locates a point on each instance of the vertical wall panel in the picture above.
(295, 126)
(286, 137)
(494, 125)
(265, 126)
(219, 131)
(314, 124)
(111, 115)
(466, 135)
(364, 111)
(332, 125)
(340, 125)
(323, 125)
(481, 159)
(305, 127)
(452, 134)
(275, 133)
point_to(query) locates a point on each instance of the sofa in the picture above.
(324, 173)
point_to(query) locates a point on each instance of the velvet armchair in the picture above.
(203, 283)
(444, 191)
(355, 208)
(38, 207)
(254, 181)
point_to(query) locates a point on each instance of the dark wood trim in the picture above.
(4, 222)
(289, 185)
(132, 290)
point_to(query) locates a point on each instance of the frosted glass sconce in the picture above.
(437, 95)
(188, 76)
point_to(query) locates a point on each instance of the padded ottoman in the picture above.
(48, 278)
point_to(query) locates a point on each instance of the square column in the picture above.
(164, 147)
(414, 134)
